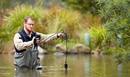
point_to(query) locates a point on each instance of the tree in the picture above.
(116, 15)
(83, 5)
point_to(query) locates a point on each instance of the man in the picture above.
(26, 42)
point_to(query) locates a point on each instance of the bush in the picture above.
(97, 36)
(84, 6)
(116, 14)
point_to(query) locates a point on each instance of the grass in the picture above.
(97, 36)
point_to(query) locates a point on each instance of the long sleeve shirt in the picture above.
(20, 45)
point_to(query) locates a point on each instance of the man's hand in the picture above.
(61, 34)
(36, 40)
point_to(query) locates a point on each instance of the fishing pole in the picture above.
(48, 37)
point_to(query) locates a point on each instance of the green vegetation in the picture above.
(97, 36)
(83, 6)
(116, 16)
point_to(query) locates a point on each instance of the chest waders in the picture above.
(27, 59)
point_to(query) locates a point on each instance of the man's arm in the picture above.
(19, 44)
(48, 37)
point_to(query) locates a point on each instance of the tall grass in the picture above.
(97, 36)
(59, 19)
(13, 22)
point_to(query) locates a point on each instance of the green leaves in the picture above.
(117, 21)
(83, 6)
(116, 14)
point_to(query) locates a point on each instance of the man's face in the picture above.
(29, 25)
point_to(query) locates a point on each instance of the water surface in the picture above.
(78, 66)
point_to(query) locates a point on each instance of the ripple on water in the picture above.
(4, 67)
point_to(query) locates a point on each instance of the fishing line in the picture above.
(65, 38)
(66, 65)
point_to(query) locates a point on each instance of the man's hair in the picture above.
(27, 17)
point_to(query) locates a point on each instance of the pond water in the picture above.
(78, 66)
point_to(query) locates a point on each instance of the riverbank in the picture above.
(60, 49)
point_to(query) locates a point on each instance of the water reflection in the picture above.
(27, 73)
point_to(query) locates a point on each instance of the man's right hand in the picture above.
(35, 40)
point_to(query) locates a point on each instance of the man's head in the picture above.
(28, 23)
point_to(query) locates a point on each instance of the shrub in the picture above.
(97, 36)
(116, 14)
